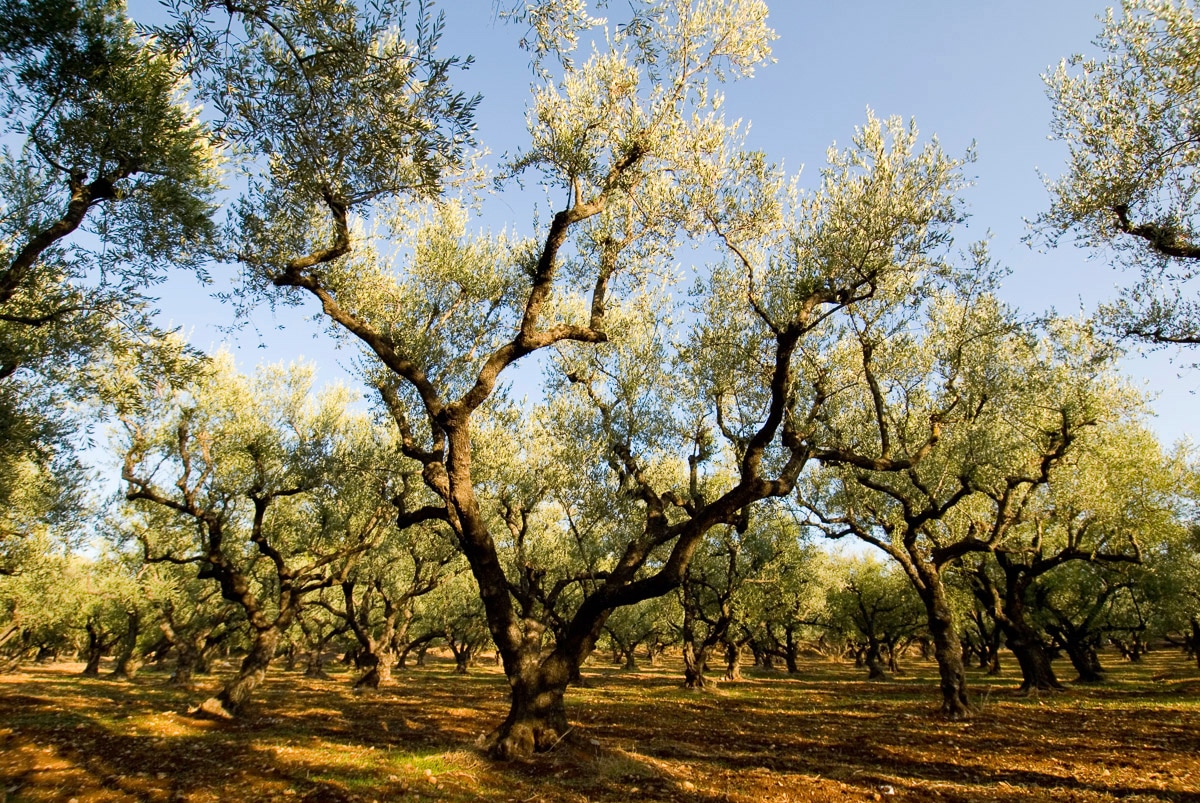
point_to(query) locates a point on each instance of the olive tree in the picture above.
(1009, 404)
(1113, 493)
(106, 177)
(631, 143)
(1129, 118)
(275, 491)
(876, 607)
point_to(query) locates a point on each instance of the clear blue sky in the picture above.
(965, 70)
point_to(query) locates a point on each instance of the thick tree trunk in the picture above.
(314, 666)
(97, 648)
(693, 666)
(537, 716)
(233, 697)
(993, 650)
(791, 653)
(380, 660)
(1025, 642)
(290, 655)
(91, 669)
(630, 664)
(462, 661)
(127, 660)
(892, 664)
(187, 656)
(874, 661)
(947, 650)
(1196, 639)
(1036, 672)
(1085, 660)
(733, 661)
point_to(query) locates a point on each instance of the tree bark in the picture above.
(733, 660)
(693, 666)
(537, 716)
(97, 648)
(630, 664)
(187, 657)
(1085, 660)
(92, 668)
(314, 667)
(873, 659)
(947, 650)
(791, 653)
(127, 660)
(993, 651)
(380, 661)
(1037, 674)
(229, 702)
(462, 660)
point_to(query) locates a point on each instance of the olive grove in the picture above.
(723, 367)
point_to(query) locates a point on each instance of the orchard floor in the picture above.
(824, 734)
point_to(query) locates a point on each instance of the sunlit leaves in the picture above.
(1129, 119)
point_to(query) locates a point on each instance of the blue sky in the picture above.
(965, 70)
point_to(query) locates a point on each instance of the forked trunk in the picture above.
(97, 648)
(1036, 672)
(1025, 642)
(1086, 662)
(233, 697)
(876, 670)
(92, 668)
(462, 662)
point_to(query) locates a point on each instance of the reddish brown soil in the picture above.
(822, 735)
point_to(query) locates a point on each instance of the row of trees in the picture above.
(762, 592)
(843, 367)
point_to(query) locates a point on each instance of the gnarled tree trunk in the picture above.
(537, 716)
(236, 692)
(97, 647)
(873, 658)
(127, 663)
(733, 660)
(1085, 660)
(947, 651)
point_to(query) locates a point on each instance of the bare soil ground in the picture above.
(825, 734)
